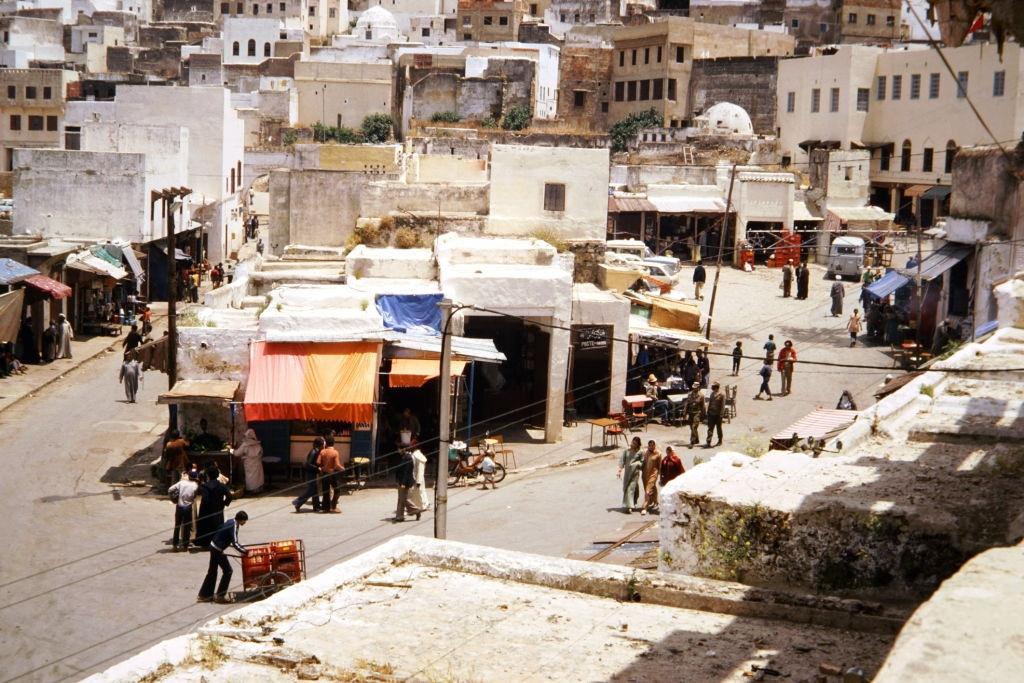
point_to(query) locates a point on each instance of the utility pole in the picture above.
(920, 301)
(444, 412)
(721, 249)
(167, 197)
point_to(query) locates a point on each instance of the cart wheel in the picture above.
(499, 473)
(273, 582)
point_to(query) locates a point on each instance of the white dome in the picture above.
(375, 23)
(729, 117)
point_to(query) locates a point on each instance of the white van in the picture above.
(846, 257)
(666, 267)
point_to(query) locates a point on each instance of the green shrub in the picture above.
(377, 128)
(488, 122)
(289, 138)
(445, 117)
(517, 118)
(625, 130)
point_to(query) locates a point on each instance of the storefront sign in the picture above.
(588, 337)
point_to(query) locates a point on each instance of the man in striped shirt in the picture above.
(226, 535)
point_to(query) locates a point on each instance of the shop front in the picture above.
(300, 390)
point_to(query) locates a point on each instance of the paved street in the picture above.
(61, 445)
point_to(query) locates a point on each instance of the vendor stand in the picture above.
(213, 400)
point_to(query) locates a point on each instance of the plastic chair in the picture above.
(616, 430)
(634, 416)
(503, 451)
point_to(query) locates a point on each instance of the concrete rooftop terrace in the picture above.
(425, 610)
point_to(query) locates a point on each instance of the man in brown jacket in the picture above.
(716, 408)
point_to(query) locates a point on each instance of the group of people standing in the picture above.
(199, 499)
(645, 471)
(801, 275)
(323, 471)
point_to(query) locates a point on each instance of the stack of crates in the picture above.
(257, 562)
(287, 558)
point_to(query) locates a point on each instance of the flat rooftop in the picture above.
(426, 610)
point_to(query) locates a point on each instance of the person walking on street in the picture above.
(64, 336)
(695, 411)
(651, 470)
(214, 496)
(787, 279)
(418, 493)
(630, 466)
(50, 335)
(837, 294)
(853, 327)
(803, 281)
(227, 535)
(183, 494)
(671, 466)
(737, 357)
(699, 278)
(406, 480)
(193, 286)
(132, 340)
(716, 408)
(329, 462)
(703, 369)
(769, 349)
(130, 376)
(312, 473)
(766, 374)
(787, 356)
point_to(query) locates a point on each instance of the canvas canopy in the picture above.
(415, 372)
(200, 391)
(417, 313)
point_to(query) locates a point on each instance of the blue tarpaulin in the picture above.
(887, 284)
(12, 272)
(411, 312)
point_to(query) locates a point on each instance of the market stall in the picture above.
(206, 402)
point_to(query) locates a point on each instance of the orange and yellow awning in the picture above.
(312, 381)
(415, 372)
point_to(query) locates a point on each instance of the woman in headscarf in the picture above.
(630, 465)
(651, 471)
(671, 466)
(837, 294)
(250, 452)
(418, 493)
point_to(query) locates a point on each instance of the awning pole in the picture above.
(444, 426)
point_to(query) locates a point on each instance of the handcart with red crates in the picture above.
(269, 567)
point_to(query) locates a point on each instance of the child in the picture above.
(737, 356)
(487, 468)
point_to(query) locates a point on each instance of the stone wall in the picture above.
(382, 198)
(749, 82)
(585, 69)
(588, 256)
(313, 207)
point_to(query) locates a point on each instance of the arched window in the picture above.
(266, 49)
(234, 48)
(255, 9)
(951, 150)
(905, 154)
(252, 48)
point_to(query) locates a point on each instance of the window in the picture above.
(30, 92)
(848, 173)
(961, 84)
(927, 159)
(880, 88)
(790, 102)
(51, 123)
(15, 122)
(863, 94)
(467, 21)
(822, 28)
(332, 12)
(951, 150)
(239, 9)
(270, 8)
(672, 89)
(502, 21)
(647, 55)
(815, 100)
(680, 54)
(225, 8)
(915, 86)
(251, 48)
(631, 91)
(851, 18)
(890, 21)
(579, 98)
(47, 92)
(467, 36)
(533, 9)
(999, 84)
(488, 21)
(576, 18)
(905, 154)
(232, 181)
(425, 32)
(561, 17)
(659, 54)
(897, 87)
(312, 11)
(645, 90)
(622, 58)
(871, 20)
(234, 48)
(634, 57)
(255, 10)
(795, 23)
(884, 157)
(658, 89)
(620, 91)
(604, 107)
(933, 86)
(266, 49)
(12, 92)
(834, 102)
(281, 7)
(35, 122)
(554, 197)
(94, 34)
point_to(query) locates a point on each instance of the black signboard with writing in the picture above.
(591, 337)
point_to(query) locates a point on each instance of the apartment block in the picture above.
(32, 109)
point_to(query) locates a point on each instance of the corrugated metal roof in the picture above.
(629, 205)
(887, 284)
(688, 204)
(939, 262)
(821, 424)
(12, 272)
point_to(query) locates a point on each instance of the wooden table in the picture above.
(604, 423)
(637, 400)
(676, 400)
